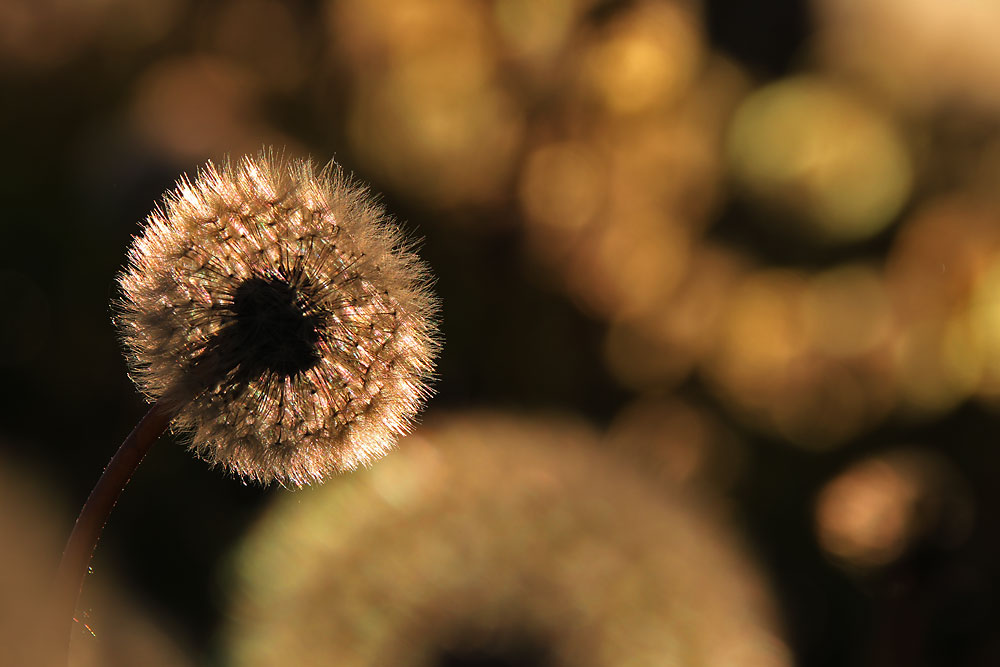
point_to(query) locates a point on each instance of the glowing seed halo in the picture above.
(278, 311)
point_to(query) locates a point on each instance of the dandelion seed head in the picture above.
(278, 311)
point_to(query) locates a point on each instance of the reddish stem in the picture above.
(87, 530)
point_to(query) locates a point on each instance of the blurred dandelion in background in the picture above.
(881, 508)
(117, 630)
(919, 54)
(427, 113)
(503, 539)
(30, 539)
(193, 106)
(820, 152)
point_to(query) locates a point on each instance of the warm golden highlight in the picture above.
(278, 312)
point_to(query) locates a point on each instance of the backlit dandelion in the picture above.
(277, 312)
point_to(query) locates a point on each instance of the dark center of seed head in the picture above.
(276, 328)
(518, 648)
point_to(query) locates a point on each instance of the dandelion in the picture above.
(502, 540)
(275, 314)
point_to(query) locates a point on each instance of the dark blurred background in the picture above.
(757, 243)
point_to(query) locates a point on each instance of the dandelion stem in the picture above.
(87, 530)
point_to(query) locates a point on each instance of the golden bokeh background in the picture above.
(753, 248)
